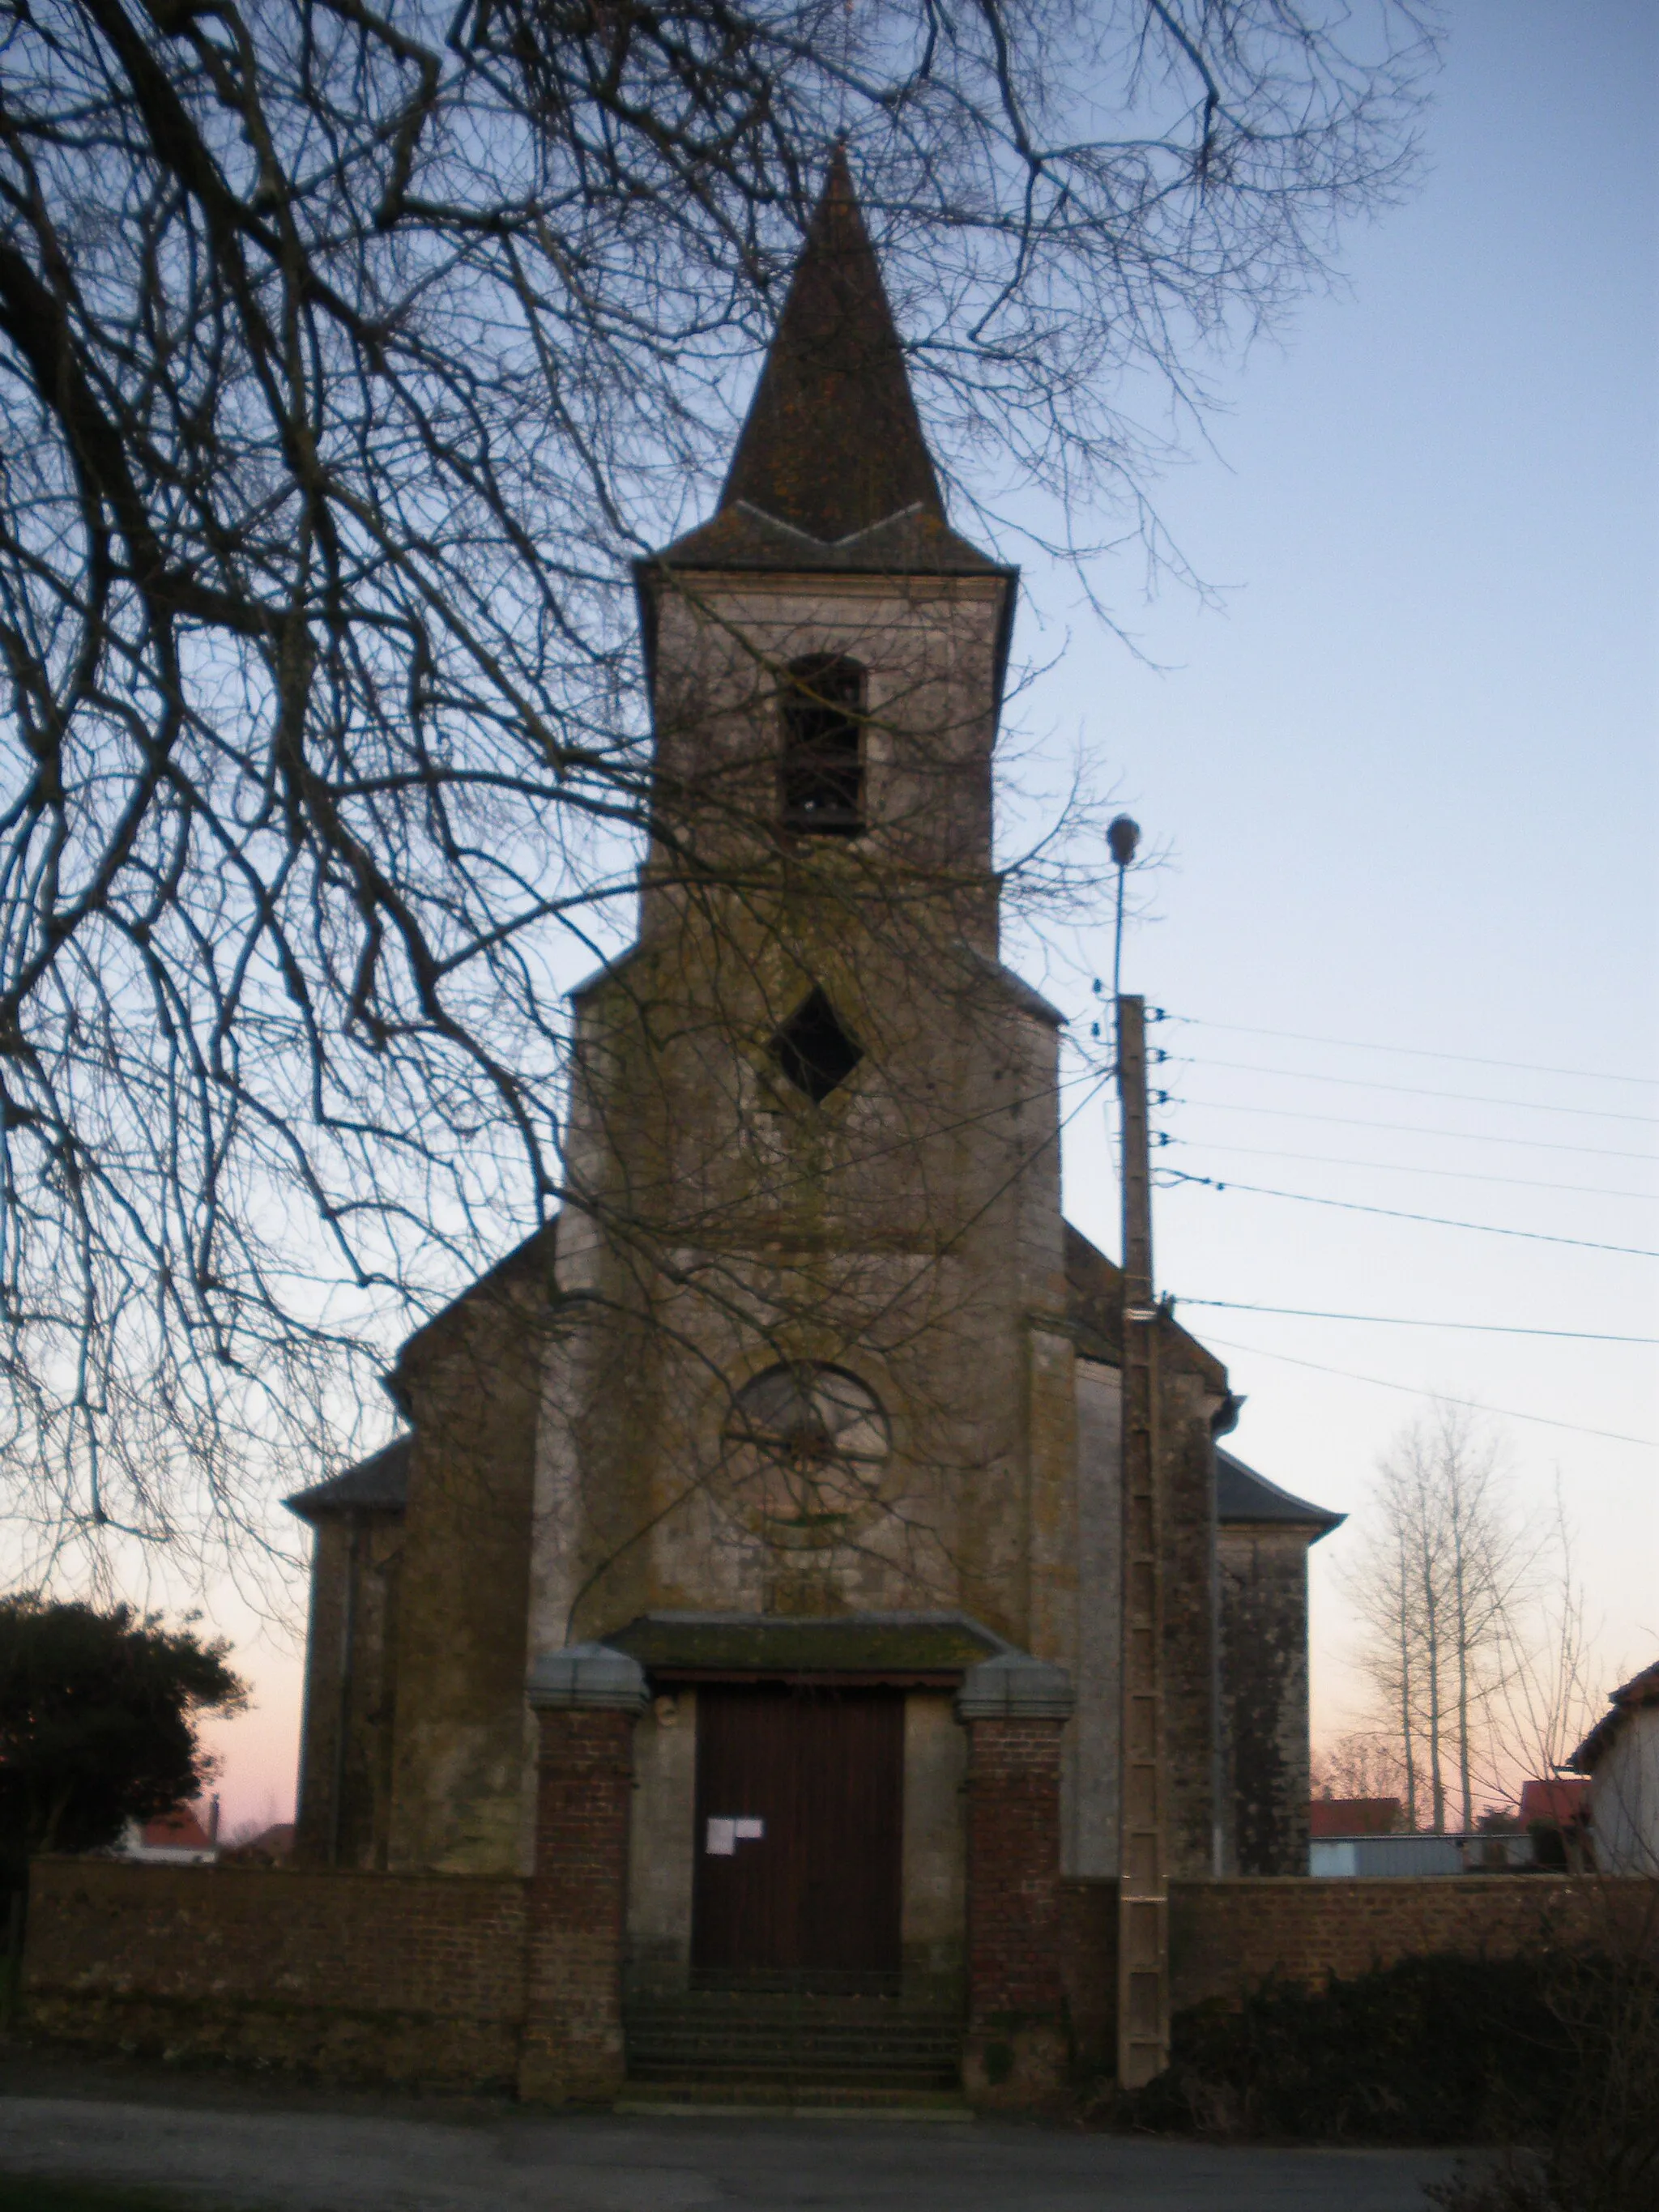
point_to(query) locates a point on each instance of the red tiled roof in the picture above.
(178, 1831)
(1354, 1816)
(1559, 1801)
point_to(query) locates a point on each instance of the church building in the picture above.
(750, 1562)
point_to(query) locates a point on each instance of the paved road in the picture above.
(311, 2159)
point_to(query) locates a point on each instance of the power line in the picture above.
(1410, 1321)
(1419, 1090)
(1475, 1405)
(1414, 1052)
(1436, 1220)
(1403, 1167)
(1409, 1129)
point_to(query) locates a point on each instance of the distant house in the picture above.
(177, 1839)
(272, 1846)
(1369, 1836)
(1620, 1756)
(1561, 1802)
(1355, 1816)
(1419, 1852)
(1555, 1818)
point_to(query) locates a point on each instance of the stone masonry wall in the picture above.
(346, 1975)
(1263, 1575)
(345, 1796)
(461, 1766)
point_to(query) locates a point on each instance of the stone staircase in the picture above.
(780, 2047)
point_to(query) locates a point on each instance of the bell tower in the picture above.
(814, 1128)
(826, 655)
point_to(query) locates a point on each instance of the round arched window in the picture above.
(807, 1444)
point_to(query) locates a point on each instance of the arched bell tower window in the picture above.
(807, 1413)
(821, 778)
(808, 1447)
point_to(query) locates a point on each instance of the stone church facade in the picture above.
(750, 1562)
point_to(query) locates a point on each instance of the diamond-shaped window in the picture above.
(814, 1049)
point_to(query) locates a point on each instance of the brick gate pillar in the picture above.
(586, 1698)
(1015, 1709)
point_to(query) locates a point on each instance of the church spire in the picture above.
(833, 443)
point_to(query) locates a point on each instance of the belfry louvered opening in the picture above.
(814, 1049)
(821, 771)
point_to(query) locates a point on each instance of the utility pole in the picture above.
(1143, 1919)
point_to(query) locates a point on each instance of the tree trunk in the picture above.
(1406, 1734)
(1461, 1635)
(1431, 1633)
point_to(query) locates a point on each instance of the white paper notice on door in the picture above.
(722, 1839)
(749, 1831)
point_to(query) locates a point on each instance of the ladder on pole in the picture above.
(1143, 1933)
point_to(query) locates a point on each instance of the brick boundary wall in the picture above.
(420, 1979)
(370, 1978)
(1227, 1937)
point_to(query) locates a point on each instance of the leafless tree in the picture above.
(1443, 1585)
(1360, 1763)
(349, 352)
(1546, 1704)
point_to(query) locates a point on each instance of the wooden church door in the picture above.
(800, 1805)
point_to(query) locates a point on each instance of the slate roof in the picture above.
(1242, 1496)
(1094, 1292)
(1024, 994)
(832, 470)
(379, 1484)
(832, 442)
(1642, 1689)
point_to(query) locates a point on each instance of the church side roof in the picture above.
(831, 471)
(1094, 1299)
(1029, 1000)
(379, 1484)
(1243, 1497)
(534, 1257)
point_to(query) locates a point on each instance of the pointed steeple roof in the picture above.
(833, 443)
(832, 469)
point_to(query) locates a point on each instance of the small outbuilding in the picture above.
(1620, 1755)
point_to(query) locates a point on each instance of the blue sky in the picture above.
(1407, 778)
(1407, 781)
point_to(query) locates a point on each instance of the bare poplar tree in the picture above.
(349, 352)
(1442, 1586)
(1546, 1704)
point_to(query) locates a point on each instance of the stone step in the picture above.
(697, 2093)
(833, 2035)
(886, 2079)
(794, 2043)
(871, 2049)
(706, 2050)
